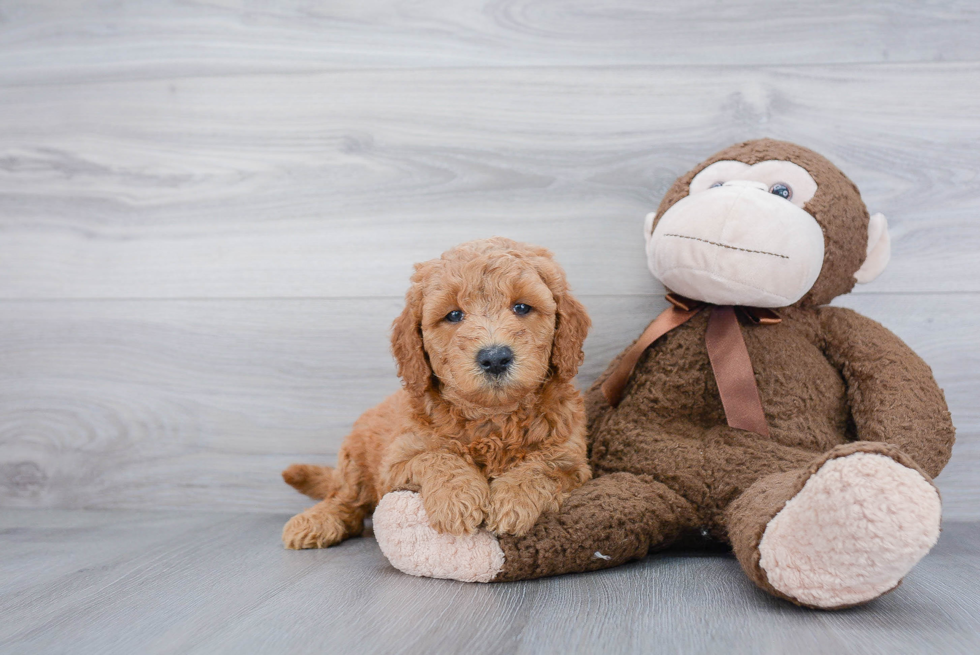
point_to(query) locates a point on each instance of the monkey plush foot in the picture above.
(412, 546)
(859, 524)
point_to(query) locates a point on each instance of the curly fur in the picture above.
(482, 452)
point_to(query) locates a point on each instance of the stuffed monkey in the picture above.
(805, 436)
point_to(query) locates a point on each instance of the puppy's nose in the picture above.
(494, 360)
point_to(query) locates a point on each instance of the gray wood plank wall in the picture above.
(209, 210)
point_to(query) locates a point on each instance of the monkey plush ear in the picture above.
(648, 225)
(879, 250)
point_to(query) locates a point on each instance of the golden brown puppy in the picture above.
(488, 427)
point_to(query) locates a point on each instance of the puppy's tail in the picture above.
(317, 482)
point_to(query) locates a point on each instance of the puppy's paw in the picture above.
(312, 531)
(458, 506)
(514, 509)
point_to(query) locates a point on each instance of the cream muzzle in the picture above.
(737, 244)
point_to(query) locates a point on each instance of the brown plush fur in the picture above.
(483, 451)
(668, 466)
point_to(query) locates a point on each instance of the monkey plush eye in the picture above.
(455, 316)
(781, 190)
(521, 309)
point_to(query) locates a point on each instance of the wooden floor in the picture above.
(106, 582)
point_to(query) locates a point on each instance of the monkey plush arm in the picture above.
(892, 393)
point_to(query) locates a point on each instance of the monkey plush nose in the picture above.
(494, 360)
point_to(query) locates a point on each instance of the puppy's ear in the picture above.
(406, 340)
(571, 323)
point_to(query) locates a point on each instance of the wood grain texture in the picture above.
(163, 582)
(142, 404)
(209, 209)
(152, 38)
(332, 184)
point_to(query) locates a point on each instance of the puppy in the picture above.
(488, 427)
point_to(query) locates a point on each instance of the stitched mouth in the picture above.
(725, 245)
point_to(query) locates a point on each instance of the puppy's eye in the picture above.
(455, 316)
(781, 190)
(521, 309)
(716, 185)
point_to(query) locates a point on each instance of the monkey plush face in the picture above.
(767, 224)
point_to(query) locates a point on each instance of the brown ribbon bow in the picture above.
(726, 350)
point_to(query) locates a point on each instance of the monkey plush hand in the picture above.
(805, 436)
